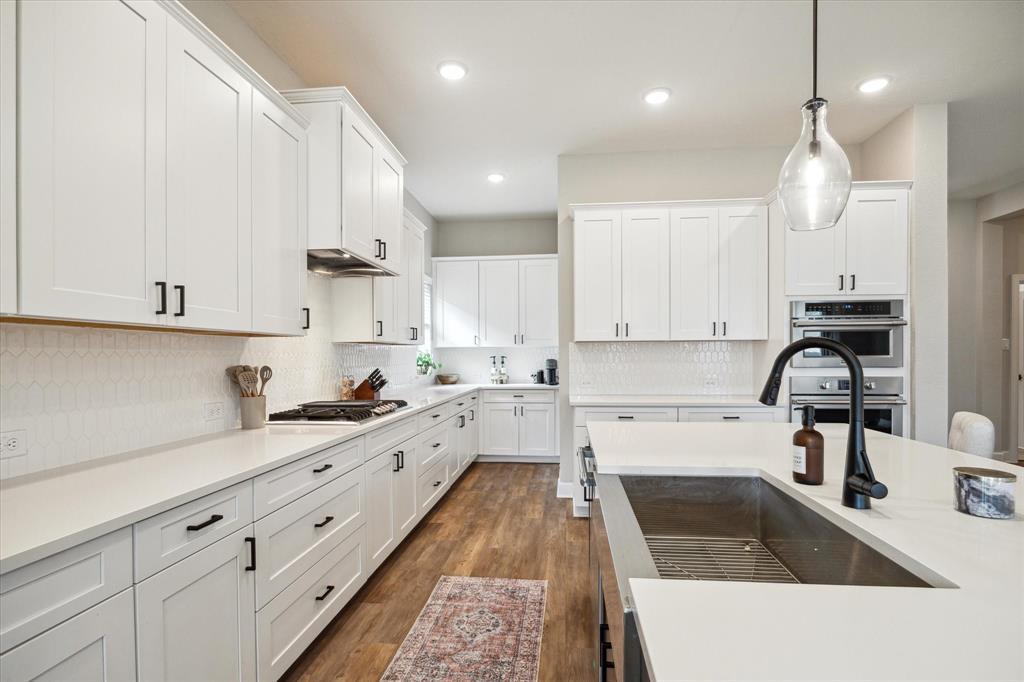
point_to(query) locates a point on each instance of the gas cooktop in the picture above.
(336, 411)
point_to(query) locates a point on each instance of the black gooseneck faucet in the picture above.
(859, 485)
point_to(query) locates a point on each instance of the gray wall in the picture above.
(500, 237)
(416, 208)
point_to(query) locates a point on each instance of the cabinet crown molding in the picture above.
(530, 256)
(342, 95)
(189, 20)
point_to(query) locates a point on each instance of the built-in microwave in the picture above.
(872, 329)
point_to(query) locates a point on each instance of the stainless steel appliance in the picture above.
(884, 402)
(336, 412)
(872, 329)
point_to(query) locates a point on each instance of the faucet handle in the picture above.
(867, 486)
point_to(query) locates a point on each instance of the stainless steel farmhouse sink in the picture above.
(745, 529)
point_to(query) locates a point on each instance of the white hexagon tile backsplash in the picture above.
(81, 393)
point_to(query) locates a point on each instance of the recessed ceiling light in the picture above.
(496, 178)
(657, 96)
(453, 71)
(874, 84)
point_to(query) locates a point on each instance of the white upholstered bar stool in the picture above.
(972, 433)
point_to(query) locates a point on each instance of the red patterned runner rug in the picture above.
(475, 630)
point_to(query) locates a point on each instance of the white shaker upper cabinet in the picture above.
(538, 302)
(743, 272)
(816, 260)
(389, 202)
(91, 136)
(597, 275)
(278, 220)
(694, 255)
(499, 303)
(414, 282)
(645, 275)
(876, 242)
(358, 183)
(456, 312)
(209, 184)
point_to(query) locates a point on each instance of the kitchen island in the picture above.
(969, 626)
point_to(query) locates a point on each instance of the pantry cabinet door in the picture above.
(358, 187)
(197, 618)
(876, 242)
(456, 303)
(537, 429)
(743, 273)
(278, 220)
(816, 260)
(499, 303)
(694, 266)
(645, 275)
(500, 429)
(388, 211)
(380, 507)
(209, 185)
(538, 302)
(91, 168)
(597, 275)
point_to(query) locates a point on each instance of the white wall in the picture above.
(964, 304)
(503, 237)
(416, 208)
(229, 27)
(914, 146)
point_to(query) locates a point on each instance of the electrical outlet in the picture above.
(13, 443)
(213, 411)
(710, 381)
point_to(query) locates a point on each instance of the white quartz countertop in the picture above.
(698, 630)
(611, 400)
(44, 513)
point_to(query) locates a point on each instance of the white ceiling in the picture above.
(551, 78)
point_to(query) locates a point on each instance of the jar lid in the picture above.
(985, 474)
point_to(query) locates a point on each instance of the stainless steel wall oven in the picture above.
(872, 329)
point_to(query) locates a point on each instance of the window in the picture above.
(427, 316)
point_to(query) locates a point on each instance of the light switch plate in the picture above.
(13, 443)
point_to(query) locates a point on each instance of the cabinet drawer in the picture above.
(638, 414)
(276, 488)
(754, 415)
(531, 395)
(432, 485)
(40, 595)
(96, 645)
(435, 415)
(434, 445)
(290, 541)
(166, 538)
(382, 440)
(292, 620)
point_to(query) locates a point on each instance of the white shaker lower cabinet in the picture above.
(519, 424)
(96, 645)
(406, 513)
(380, 510)
(197, 618)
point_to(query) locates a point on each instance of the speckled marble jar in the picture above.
(988, 493)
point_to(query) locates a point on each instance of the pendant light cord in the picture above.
(814, 60)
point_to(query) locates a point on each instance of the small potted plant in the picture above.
(425, 364)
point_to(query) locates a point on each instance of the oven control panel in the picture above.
(848, 309)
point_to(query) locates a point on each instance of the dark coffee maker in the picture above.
(551, 372)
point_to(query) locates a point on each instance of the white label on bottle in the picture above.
(799, 459)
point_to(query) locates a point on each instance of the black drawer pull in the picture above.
(327, 519)
(401, 459)
(252, 554)
(732, 418)
(518, 396)
(162, 310)
(436, 445)
(180, 288)
(209, 522)
(398, 465)
(626, 417)
(459, 404)
(437, 483)
(320, 470)
(330, 588)
(434, 416)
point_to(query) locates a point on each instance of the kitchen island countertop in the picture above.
(702, 630)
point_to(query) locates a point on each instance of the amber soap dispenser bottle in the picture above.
(808, 452)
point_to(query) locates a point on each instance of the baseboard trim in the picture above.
(520, 459)
(564, 489)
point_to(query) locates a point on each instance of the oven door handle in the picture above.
(877, 324)
(840, 401)
(587, 479)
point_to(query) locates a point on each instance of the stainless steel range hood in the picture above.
(339, 263)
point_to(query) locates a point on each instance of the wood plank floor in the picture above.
(499, 520)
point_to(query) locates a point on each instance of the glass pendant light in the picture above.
(815, 180)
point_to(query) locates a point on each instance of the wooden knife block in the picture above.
(364, 392)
